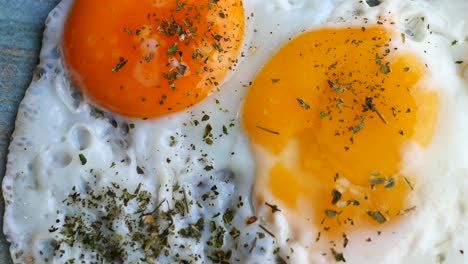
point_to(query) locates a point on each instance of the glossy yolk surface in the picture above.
(334, 108)
(151, 57)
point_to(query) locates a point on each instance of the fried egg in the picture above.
(345, 121)
(247, 131)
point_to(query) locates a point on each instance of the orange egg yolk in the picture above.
(148, 58)
(334, 109)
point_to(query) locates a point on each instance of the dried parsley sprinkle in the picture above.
(385, 69)
(197, 54)
(82, 159)
(217, 237)
(407, 211)
(181, 69)
(208, 168)
(369, 105)
(140, 170)
(205, 118)
(377, 216)
(207, 135)
(390, 183)
(323, 114)
(353, 202)
(267, 231)
(275, 80)
(120, 65)
(194, 230)
(218, 47)
(330, 213)
(172, 49)
(356, 129)
(336, 196)
(408, 183)
(228, 216)
(234, 233)
(128, 31)
(339, 257)
(274, 208)
(303, 104)
(268, 130)
(377, 181)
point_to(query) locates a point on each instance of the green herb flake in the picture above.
(407, 210)
(268, 130)
(385, 69)
(172, 49)
(235, 233)
(330, 213)
(408, 183)
(303, 104)
(356, 129)
(128, 31)
(390, 183)
(205, 118)
(377, 181)
(323, 114)
(275, 80)
(336, 196)
(339, 257)
(140, 170)
(217, 238)
(228, 216)
(377, 216)
(120, 65)
(353, 202)
(218, 47)
(193, 230)
(82, 159)
(274, 208)
(335, 86)
(208, 168)
(267, 231)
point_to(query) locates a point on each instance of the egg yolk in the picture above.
(333, 110)
(148, 58)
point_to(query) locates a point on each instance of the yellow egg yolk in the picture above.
(334, 109)
(151, 57)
